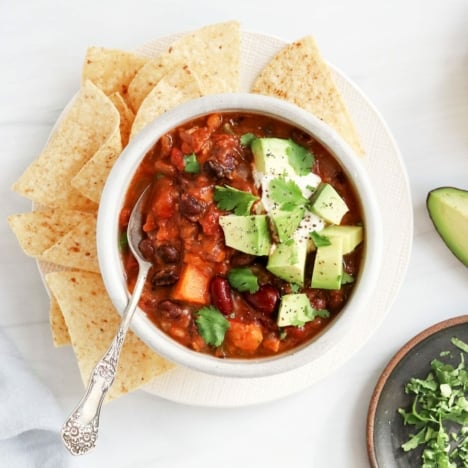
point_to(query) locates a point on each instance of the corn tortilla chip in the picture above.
(212, 52)
(176, 87)
(299, 74)
(37, 231)
(88, 123)
(92, 322)
(92, 176)
(77, 248)
(126, 117)
(111, 70)
(58, 327)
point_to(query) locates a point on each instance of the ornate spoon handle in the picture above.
(80, 430)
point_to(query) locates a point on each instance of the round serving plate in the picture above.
(388, 176)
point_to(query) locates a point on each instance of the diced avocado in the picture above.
(448, 209)
(287, 261)
(270, 156)
(294, 310)
(249, 234)
(352, 236)
(286, 222)
(328, 265)
(327, 203)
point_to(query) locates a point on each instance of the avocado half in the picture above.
(448, 209)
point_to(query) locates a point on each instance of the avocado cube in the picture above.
(294, 310)
(287, 261)
(328, 265)
(248, 234)
(327, 203)
(352, 236)
(270, 156)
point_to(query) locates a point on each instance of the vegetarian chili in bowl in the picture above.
(263, 230)
(245, 227)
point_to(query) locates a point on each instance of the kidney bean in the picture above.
(265, 299)
(221, 295)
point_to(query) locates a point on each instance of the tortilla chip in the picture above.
(37, 231)
(126, 117)
(77, 248)
(212, 53)
(58, 327)
(92, 176)
(92, 323)
(111, 70)
(88, 123)
(176, 87)
(299, 74)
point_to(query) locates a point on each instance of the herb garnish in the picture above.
(300, 158)
(439, 413)
(247, 138)
(212, 325)
(243, 280)
(310, 313)
(287, 194)
(231, 199)
(319, 240)
(191, 164)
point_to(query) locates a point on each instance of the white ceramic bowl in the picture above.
(113, 272)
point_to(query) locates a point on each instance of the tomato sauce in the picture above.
(185, 243)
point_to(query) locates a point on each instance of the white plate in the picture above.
(387, 173)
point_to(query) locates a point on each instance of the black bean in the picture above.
(165, 277)
(146, 249)
(214, 169)
(190, 207)
(168, 253)
(170, 310)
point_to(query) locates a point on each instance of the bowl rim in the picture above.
(117, 185)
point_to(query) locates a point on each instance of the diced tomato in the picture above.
(164, 198)
(177, 159)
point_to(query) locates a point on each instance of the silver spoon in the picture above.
(80, 430)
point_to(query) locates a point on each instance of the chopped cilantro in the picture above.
(346, 278)
(212, 325)
(123, 241)
(299, 158)
(295, 288)
(247, 138)
(191, 164)
(243, 279)
(319, 240)
(231, 199)
(310, 313)
(287, 194)
(439, 413)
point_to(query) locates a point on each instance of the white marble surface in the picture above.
(410, 58)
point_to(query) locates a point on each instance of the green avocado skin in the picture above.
(448, 210)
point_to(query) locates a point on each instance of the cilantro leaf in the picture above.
(319, 240)
(231, 199)
(300, 158)
(212, 325)
(247, 138)
(346, 278)
(243, 279)
(287, 194)
(310, 314)
(191, 164)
